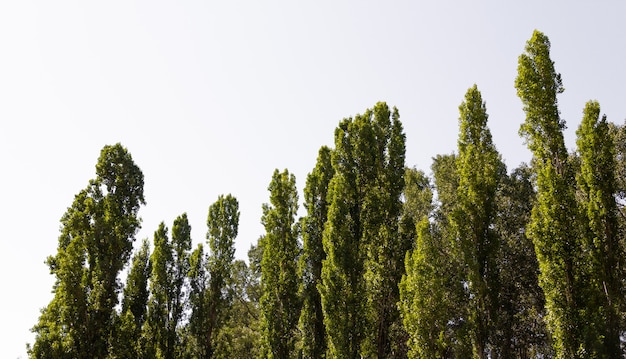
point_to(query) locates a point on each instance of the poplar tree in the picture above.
(386, 249)
(96, 241)
(199, 339)
(136, 291)
(170, 267)
(311, 321)
(157, 330)
(343, 289)
(433, 296)
(554, 221)
(417, 205)
(597, 184)
(181, 247)
(480, 170)
(364, 253)
(422, 305)
(127, 341)
(223, 226)
(280, 305)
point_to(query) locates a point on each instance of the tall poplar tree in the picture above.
(424, 303)
(423, 300)
(433, 295)
(553, 225)
(364, 253)
(223, 226)
(157, 331)
(170, 267)
(480, 170)
(199, 339)
(343, 289)
(280, 304)
(311, 322)
(597, 185)
(386, 249)
(181, 248)
(96, 241)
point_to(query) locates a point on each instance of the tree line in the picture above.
(473, 261)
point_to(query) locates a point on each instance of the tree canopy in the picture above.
(386, 261)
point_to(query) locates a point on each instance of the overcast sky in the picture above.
(210, 99)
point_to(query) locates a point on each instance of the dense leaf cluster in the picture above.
(471, 262)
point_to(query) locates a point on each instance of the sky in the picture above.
(210, 97)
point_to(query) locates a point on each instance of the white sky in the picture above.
(210, 99)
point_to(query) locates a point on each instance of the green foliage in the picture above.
(157, 330)
(520, 327)
(342, 289)
(199, 340)
(210, 279)
(223, 226)
(426, 306)
(311, 323)
(181, 247)
(526, 265)
(364, 253)
(597, 187)
(418, 196)
(255, 257)
(170, 267)
(537, 85)
(97, 234)
(386, 250)
(480, 170)
(127, 341)
(618, 136)
(433, 298)
(136, 292)
(553, 226)
(280, 304)
(239, 337)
